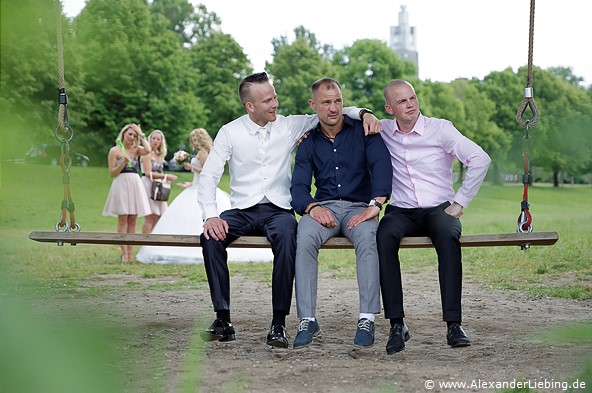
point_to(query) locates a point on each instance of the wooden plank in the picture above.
(138, 239)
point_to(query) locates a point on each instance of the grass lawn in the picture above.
(31, 195)
(69, 351)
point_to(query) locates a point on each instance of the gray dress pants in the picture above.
(311, 235)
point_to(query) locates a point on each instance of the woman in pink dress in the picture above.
(127, 199)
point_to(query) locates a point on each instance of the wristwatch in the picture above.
(374, 202)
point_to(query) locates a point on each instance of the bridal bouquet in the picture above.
(181, 157)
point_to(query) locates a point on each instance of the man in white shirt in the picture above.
(424, 203)
(257, 147)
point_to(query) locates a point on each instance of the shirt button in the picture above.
(334, 150)
(339, 185)
(336, 168)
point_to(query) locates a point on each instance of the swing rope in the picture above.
(525, 217)
(64, 133)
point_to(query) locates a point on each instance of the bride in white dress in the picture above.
(184, 217)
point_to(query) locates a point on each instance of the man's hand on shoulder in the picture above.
(371, 123)
(215, 228)
(302, 138)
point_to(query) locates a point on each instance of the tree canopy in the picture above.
(168, 65)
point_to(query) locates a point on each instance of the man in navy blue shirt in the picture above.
(352, 175)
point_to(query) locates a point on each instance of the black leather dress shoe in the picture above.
(219, 330)
(277, 337)
(396, 341)
(457, 337)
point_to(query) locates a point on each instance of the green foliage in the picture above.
(295, 67)
(562, 143)
(137, 71)
(168, 65)
(29, 78)
(365, 68)
(219, 57)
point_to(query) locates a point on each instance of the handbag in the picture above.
(161, 189)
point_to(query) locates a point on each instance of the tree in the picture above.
(478, 125)
(566, 73)
(221, 64)
(505, 90)
(29, 75)
(137, 71)
(180, 15)
(295, 67)
(561, 142)
(218, 61)
(365, 68)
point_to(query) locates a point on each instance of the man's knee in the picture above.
(450, 232)
(388, 233)
(365, 235)
(288, 225)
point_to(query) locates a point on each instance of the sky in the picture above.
(455, 38)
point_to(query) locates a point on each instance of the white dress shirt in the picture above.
(422, 162)
(255, 177)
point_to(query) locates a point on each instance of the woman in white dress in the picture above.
(127, 199)
(153, 168)
(184, 217)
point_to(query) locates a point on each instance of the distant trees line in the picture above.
(167, 65)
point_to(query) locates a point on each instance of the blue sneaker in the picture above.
(307, 331)
(365, 333)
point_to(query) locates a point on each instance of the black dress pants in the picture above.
(279, 227)
(445, 231)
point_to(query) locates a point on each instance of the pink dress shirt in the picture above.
(422, 162)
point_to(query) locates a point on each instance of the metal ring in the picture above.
(67, 128)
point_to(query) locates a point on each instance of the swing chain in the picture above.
(64, 133)
(525, 218)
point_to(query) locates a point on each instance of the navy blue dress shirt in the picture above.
(354, 167)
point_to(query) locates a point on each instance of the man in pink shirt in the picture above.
(424, 203)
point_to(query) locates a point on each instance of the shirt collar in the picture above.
(418, 128)
(253, 127)
(347, 123)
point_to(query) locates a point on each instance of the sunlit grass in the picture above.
(562, 270)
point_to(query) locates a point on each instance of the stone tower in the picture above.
(403, 39)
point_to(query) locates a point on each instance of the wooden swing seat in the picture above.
(523, 240)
